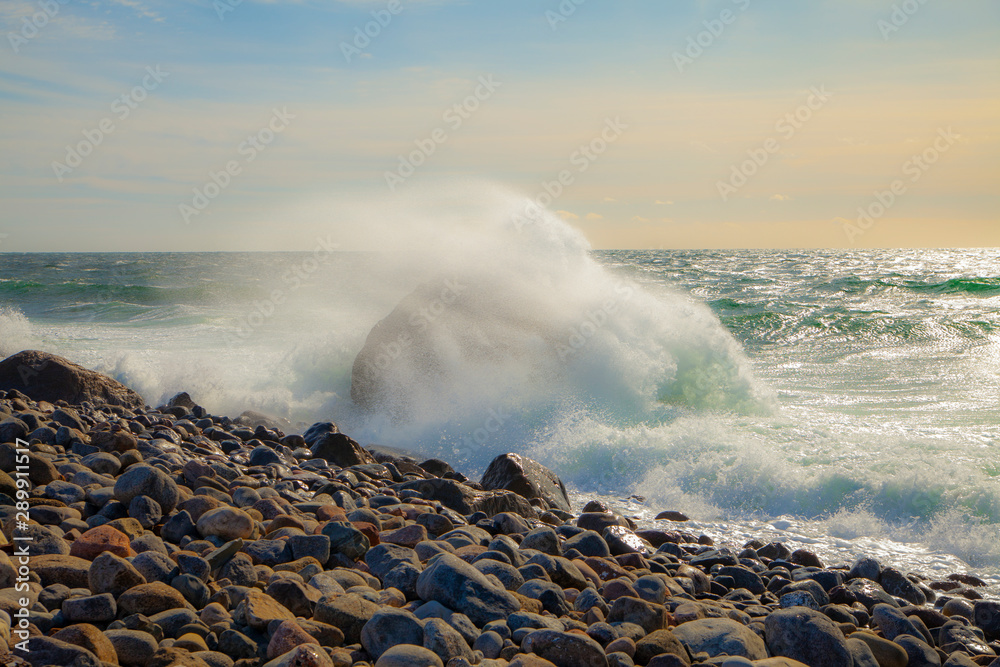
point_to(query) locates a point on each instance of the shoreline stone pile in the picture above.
(169, 536)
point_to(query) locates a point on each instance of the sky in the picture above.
(254, 124)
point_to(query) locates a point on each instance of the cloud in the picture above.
(594, 216)
(780, 198)
(639, 218)
(665, 203)
(610, 199)
(566, 215)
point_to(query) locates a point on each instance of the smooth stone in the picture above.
(388, 627)
(565, 649)
(51, 651)
(721, 636)
(461, 587)
(349, 612)
(151, 598)
(445, 640)
(143, 479)
(146, 511)
(405, 655)
(257, 609)
(96, 541)
(807, 636)
(133, 647)
(227, 523)
(305, 655)
(90, 609)
(88, 636)
(110, 573)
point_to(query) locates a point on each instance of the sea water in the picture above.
(841, 400)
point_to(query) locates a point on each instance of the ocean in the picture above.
(841, 400)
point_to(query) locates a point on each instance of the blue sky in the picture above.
(668, 180)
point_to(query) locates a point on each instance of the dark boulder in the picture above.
(525, 477)
(341, 450)
(48, 377)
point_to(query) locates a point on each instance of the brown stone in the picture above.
(97, 540)
(90, 638)
(288, 635)
(259, 609)
(59, 569)
(149, 599)
(407, 536)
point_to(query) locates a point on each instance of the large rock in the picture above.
(341, 450)
(721, 636)
(807, 636)
(526, 477)
(459, 586)
(48, 377)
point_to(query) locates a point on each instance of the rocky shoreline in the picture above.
(169, 536)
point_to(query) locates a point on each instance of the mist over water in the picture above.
(853, 393)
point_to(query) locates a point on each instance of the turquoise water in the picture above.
(854, 394)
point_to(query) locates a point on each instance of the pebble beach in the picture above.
(170, 536)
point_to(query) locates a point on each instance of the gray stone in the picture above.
(145, 510)
(45, 651)
(110, 573)
(721, 636)
(565, 649)
(461, 587)
(346, 539)
(91, 609)
(445, 641)
(405, 655)
(807, 636)
(891, 621)
(388, 627)
(895, 583)
(528, 478)
(155, 566)
(142, 479)
(348, 612)
(132, 646)
(918, 651)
